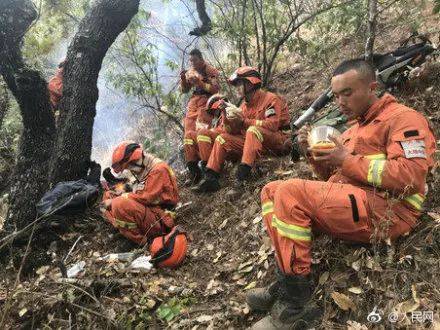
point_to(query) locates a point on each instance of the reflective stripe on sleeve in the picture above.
(376, 156)
(267, 208)
(125, 224)
(188, 142)
(220, 139)
(416, 201)
(375, 171)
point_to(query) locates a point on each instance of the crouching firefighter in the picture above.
(374, 191)
(147, 211)
(253, 129)
(198, 144)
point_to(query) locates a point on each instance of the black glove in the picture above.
(110, 178)
(94, 175)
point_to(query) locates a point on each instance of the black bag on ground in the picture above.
(67, 198)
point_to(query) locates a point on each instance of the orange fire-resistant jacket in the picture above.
(55, 87)
(266, 110)
(159, 187)
(197, 104)
(392, 150)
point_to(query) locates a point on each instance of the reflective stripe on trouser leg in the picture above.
(253, 145)
(284, 248)
(205, 142)
(225, 145)
(291, 223)
(217, 156)
(190, 147)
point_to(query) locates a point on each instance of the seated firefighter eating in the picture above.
(254, 128)
(146, 211)
(375, 189)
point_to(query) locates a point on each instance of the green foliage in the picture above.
(158, 143)
(169, 310)
(136, 74)
(56, 22)
(320, 40)
(10, 132)
(436, 9)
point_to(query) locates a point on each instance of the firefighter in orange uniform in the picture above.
(201, 142)
(374, 191)
(55, 87)
(255, 128)
(203, 79)
(147, 211)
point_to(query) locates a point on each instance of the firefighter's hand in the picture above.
(105, 205)
(303, 142)
(333, 157)
(195, 80)
(183, 75)
(233, 112)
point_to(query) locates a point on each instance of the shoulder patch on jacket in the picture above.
(269, 112)
(414, 148)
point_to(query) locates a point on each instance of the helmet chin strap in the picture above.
(142, 166)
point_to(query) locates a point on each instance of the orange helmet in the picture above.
(216, 102)
(169, 251)
(245, 73)
(125, 153)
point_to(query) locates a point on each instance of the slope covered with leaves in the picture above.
(229, 254)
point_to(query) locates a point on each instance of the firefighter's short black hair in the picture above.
(196, 52)
(359, 65)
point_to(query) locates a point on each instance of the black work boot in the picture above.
(295, 292)
(292, 308)
(203, 166)
(209, 183)
(194, 174)
(262, 299)
(243, 174)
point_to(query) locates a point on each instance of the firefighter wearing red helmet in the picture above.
(200, 146)
(146, 211)
(256, 128)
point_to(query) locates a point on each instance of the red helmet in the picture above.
(125, 153)
(216, 102)
(245, 73)
(169, 251)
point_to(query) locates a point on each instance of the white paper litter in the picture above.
(142, 263)
(117, 257)
(76, 269)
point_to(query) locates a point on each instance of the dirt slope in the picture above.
(231, 253)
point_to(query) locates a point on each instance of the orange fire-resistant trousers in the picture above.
(257, 141)
(293, 209)
(196, 109)
(136, 221)
(198, 145)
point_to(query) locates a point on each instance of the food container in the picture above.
(319, 138)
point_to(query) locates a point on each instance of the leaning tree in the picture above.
(47, 155)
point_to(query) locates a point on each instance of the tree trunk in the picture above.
(96, 33)
(4, 101)
(30, 90)
(371, 34)
(204, 18)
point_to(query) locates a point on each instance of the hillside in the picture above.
(229, 254)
